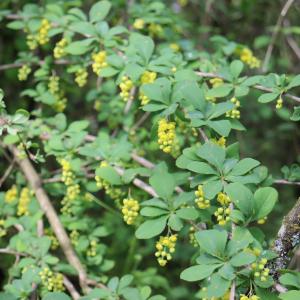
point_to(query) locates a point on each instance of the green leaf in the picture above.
(242, 258)
(290, 295)
(236, 67)
(201, 168)
(227, 272)
(56, 296)
(144, 45)
(187, 213)
(296, 114)
(295, 82)
(16, 25)
(79, 47)
(212, 241)
(109, 174)
(151, 228)
(196, 273)
(264, 201)
(175, 222)
(222, 127)
(244, 166)
(21, 116)
(212, 188)
(289, 279)
(212, 153)
(220, 91)
(99, 11)
(78, 126)
(166, 189)
(217, 286)
(153, 211)
(241, 196)
(268, 97)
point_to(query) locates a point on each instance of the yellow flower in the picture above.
(166, 135)
(215, 82)
(279, 103)
(42, 37)
(24, 202)
(99, 62)
(148, 77)
(52, 281)
(155, 29)
(130, 210)
(125, 86)
(200, 201)
(165, 248)
(234, 113)
(11, 194)
(175, 47)
(81, 77)
(23, 72)
(59, 49)
(138, 24)
(246, 56)
(2, 228)
(53, 84)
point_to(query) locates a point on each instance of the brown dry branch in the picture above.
(45, 203)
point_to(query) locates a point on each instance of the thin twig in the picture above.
(204, 136)
(284, 181)
(7, 172)
(281, 17)
(141, 121)
(40, 63)
(71, 288)
(290, 40)
(12, 252)
(232, 291)
(257, 86)
(130, 101)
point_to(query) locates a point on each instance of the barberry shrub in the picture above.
(124, 174)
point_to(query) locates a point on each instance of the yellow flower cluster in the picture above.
(138, 24)
(246, 56)
(175, 47)
(221, 141)
(126, 85)
(23, 72)
(200, 201)
(215, 82)
(81, 77)
(51, 280)
(222, 213)
(74, 235)
(192, 237)
(147, 77)
(91, 252)
(67, 173)
(59, 49)
(234, 113)
(130, 210)
(24, 202)
(54, 241)
(11, 194)
(73, 189)
(262, 220)
(279, 103)
(260, 270)
(31, 41)
(2, 228)
(253, 297)
(61, 102)
(155, 30)
(53, 84)
(99, 61)
(165, 247)
(42, 37)
(166, 135)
